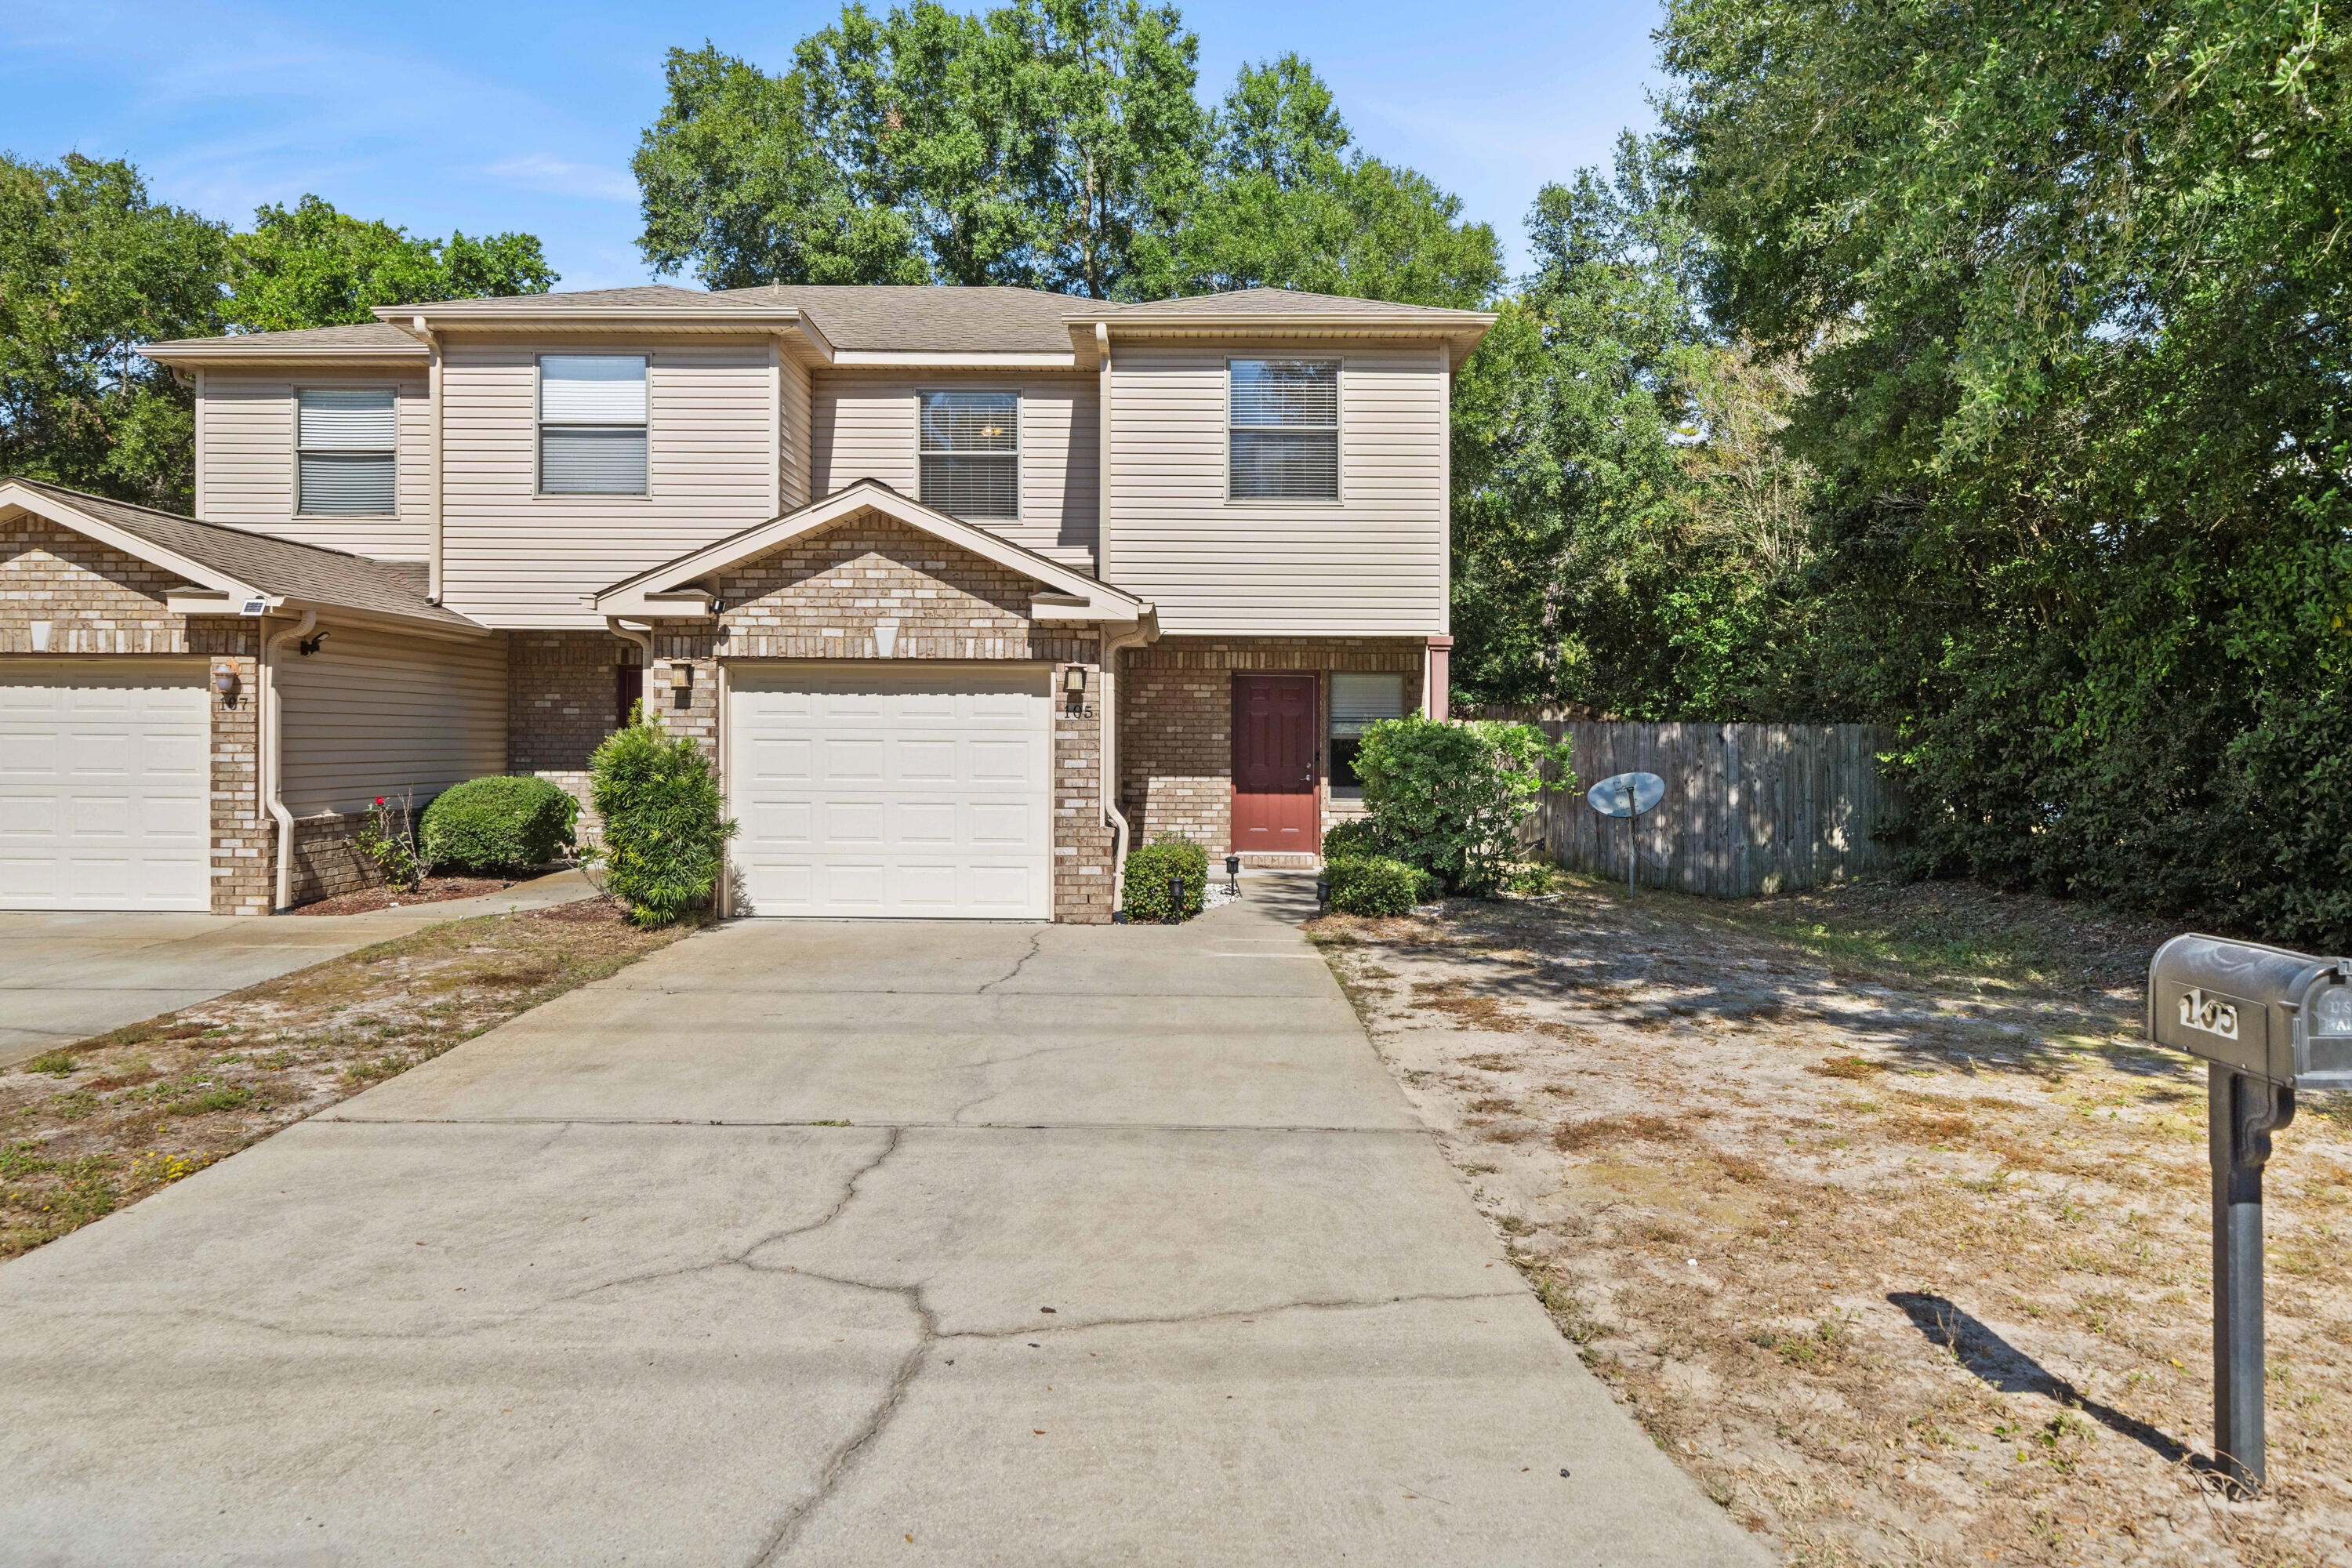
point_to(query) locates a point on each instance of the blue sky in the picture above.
(492, 116)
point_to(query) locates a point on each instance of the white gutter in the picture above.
(272, 773)
(435, 386)
(1134, 636)
(645, 641)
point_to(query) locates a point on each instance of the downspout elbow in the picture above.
(273, 731)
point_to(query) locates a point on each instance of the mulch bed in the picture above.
(435, 890)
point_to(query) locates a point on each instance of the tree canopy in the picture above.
(91, 267)
(1049, 143)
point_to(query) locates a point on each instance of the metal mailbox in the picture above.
(2266, 1022)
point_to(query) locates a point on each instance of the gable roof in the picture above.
(238, 564)
(1070, 596)
(907, 318)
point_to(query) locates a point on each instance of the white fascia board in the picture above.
(53, 510)
(1291, 322)
(312, 353)
(931, 359)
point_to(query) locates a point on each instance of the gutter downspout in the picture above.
(1112, 643)
(272, 773)
(645, 641)
(433, 394)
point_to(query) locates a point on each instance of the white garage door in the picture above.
(874, 790)
(105, 792)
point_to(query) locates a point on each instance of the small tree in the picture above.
(1449, 797)
(665, 822)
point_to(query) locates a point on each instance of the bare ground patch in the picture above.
(91, 1127)
(1879, 1213)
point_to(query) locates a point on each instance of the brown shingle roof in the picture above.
(277, 566)
(1287, 302)
(886, 317)
(365, 334)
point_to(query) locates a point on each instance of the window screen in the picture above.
(972, 453)
(592, 425)
(1357, 702)
(345, 452)
(1285, 429)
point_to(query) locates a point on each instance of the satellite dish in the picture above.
(1626, 794)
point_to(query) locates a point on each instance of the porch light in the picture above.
(1073, 680)
(225, 680)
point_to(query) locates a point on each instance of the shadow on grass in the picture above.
(2012, 1371)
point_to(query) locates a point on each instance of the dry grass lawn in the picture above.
(91, 1127)
(1878, 1210)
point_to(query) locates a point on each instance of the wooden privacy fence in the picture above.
(1749, 808)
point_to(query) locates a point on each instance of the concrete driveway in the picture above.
(66, 975)
(839, 1244)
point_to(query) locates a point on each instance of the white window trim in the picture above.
(1019, 438)
(294, 478)
(1339, 432)
(538, 424)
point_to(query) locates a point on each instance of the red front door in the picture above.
(1274, 800)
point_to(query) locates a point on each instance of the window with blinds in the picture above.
(971, 454)
(1284, 419)
(1359, 702)
(345, 451)
(592, 425)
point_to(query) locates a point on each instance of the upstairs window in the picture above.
(1285, 425)
(345, 466)
(592, 425)
(1357, 702)
(971, 455)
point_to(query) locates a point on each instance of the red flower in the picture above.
(379, 800)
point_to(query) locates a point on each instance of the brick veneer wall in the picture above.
(1175, 701)
(822, 598)
(96, 600)
(560, 704)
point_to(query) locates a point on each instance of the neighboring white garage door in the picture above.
(875, 790)
(105, 791)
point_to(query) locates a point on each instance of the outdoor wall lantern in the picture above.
(225, 680)
(1074, 689)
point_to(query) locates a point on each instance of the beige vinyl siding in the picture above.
(511, 557)
(1373, 563)
(792, 439)
(864, 427)
(248, 428)
(373, 713)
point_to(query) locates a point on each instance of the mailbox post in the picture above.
(2266, 1022)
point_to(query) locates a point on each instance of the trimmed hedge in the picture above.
(1144, 896)
(1354, 839)
(1374, 885)
(498, 824)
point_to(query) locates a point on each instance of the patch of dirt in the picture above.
(88, 1127)
(1879, 1213)
(435, 890)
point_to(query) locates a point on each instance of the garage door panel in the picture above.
(107, 799)
(925, 796)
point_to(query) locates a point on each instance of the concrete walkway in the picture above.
(838, 1244)
(66, 975)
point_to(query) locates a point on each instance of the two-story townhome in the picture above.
(966, 591)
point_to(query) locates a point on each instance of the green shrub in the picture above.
(1149, 871)
(1449, 797)
(1353, 839)
(499, 824)
(1375, 884)
(666, 828)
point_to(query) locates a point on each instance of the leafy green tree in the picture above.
(1038, 144)
(91, 267)
(1289, 202)
(1626, 533)
(310, 266)
(2072, 284)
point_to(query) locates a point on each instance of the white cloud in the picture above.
(541, 173)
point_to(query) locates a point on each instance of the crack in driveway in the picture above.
(1036, 945)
